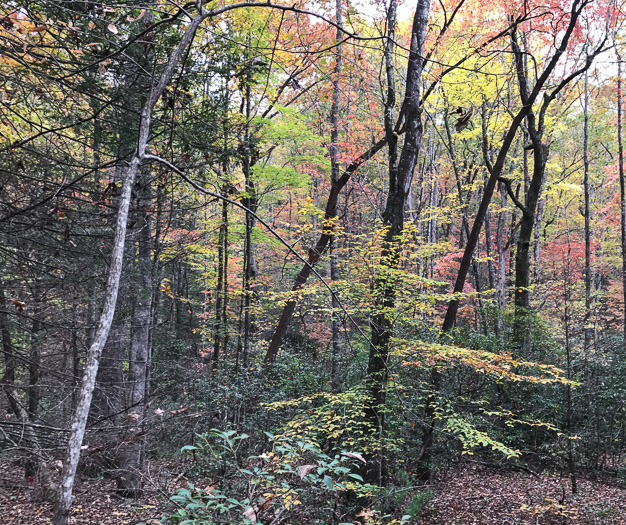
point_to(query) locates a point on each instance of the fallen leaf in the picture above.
(354, 455)
(250, 514)
(304, 470)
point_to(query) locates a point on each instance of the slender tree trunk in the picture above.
(109, 388)
(129, 481)
(500, 246)
(250, 262)
(219, 328)
(79, 421)
(337, 350)
(8, 354)
(179, 302)
(491, 268)
(622, 186)
(567, 285)
(34, 362)
(400, 177)
(587, 213)
(334, 176)
(93, 356)
(537, 233)
(108, 396)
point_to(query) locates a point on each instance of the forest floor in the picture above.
(465, 496)
(479, 496)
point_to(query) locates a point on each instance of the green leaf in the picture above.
(328, 482)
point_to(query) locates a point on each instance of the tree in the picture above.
(578, 7)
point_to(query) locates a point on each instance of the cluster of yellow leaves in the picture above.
(339, 417)
(550, 507)
(502, 366)
(471, 437)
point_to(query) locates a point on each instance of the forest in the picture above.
(311, 262)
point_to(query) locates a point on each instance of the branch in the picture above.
(509, 190)
(293, 9)
(264, 223)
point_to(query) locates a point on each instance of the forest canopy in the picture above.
(313, 254)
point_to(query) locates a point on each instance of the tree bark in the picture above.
(569, 405)
(622, 186)
(334, 177)
(220, 328)
(10, 368)
(129, 480)
(109, 388)
(587, 215)
(533, 185)
(249, 202)
(79, 421)
(400, 177)
(500, 246)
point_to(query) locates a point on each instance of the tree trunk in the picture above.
(10, 368)
(108, 392)
(221, 291)
(587, 214)
(334, 177)
(500, 246)
(400, 177)
(79, 421)
(622, 186)
(533, 186)
(249, 202)
(569, 410)
(34, 362)
(129, 480)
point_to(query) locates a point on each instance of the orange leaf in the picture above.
(19, 305)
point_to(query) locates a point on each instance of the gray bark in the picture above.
(79, 420)
(587, 215)
(129, 481)
(335, 173)
(400, 178)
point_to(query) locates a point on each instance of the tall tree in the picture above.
(106, 317)
(578, 7)
(400, 177)
(622, 182)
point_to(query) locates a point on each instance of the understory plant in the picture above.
(293, 479)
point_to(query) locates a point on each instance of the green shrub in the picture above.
(291, 476)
